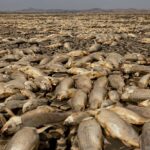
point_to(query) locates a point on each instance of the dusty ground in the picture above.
(121, 33)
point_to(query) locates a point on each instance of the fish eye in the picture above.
(10, 126)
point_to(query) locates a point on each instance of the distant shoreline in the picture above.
(94, 10)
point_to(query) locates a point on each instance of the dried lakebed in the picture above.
(74, 81)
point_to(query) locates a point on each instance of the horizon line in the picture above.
(46, 9)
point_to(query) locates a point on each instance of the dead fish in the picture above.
(6, 92)
(90, 135)
(84, 83)
(10, 68)
(76, 117)
(81, 61)
(25, 139)
(3, 52)
(143, 111)
(132, 68)
(31, 71)
(78, 101)
(43, 82)
(34, 118)
(3, 65)
(115, 59)
(59, 104)
(18, 41)
(4, 78)
(77, 71)
(114, 96)
(106, 103)
(117, 127)
(17, 75)
(142, 62)
(67, 45)
(116, 81)
(98, 56)
(96, 97)
(30, 85)
(54, 46)
(101, 82)
(100, 65)
(17, 96)
(11, 58)
(59, 59)
(136, 95)
(88, 73)
(95, 47)
(134, 57)
(144, 81)
(145, 137)
(45, 60)
(15, 84)
(70, 62)
(77, 53)
(128, 115)
(33, 104)
(98, 93)
(62, 88)
(28, 93)
(145, 103)
(54, 67)
(13, 104)
(12, 125)
(145, 40)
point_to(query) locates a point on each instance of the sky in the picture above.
(73, 4)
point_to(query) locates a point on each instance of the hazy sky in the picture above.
(72, 4)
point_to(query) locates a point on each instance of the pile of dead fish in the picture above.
(74, 100)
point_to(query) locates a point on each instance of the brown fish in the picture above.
(128, 115)
(76, 117)
(78, 101)
(6, 91)
(35, 118)
(25, 139)
(117, 127)
(134, 57)
(31, 71)
(143, 111)
(98, 93)
(136, 95)
(115, 59)
(90, 135)
(33, 104)
(88, 73)
(114, 96)
(132, 68)
(95, 47)
(101, 82)
(80, 62)
(77, 53)
(144, 81)
(145, 137)
(62, 89)
(145, 103)
(116, 81)
(84, 83)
